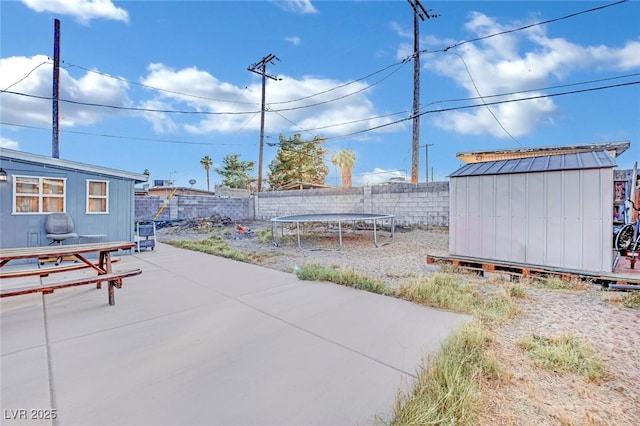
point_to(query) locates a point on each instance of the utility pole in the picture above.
(260, 68)
(426, 160)
(55, 142)
(418, 12)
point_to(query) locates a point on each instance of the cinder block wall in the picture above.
(192, 207)
(412, 204)
(306, 201)
(422, 203)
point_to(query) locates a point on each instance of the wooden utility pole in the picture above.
(55, 142)
(418, 12)
(260, 68)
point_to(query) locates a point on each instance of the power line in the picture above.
(426, 111)
(480, 105)
(253, 113)
(483, 101)
(48, 61)
(104, 135)
(408, 58)
(548, 21)
(156, 88)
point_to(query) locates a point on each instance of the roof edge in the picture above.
(68, 164)
(615, 147)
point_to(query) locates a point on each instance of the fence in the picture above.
(422, 203)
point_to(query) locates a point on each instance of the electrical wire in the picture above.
(105, 135)
(441, 109)
(480, 105)
(482, 98)
(173, 92)
(27, 75)
(548, 21)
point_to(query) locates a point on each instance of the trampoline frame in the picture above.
(328, 218)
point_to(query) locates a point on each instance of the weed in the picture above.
(349, 278)
(496, 308)
(564, 353)
(441, 290)
(631, 300)
(518, 291)
(447, 389)
(216, 245)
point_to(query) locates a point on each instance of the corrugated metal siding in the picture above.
(554, 218)
(576, 161)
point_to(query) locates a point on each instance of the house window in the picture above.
(38, 194)
(97, 196)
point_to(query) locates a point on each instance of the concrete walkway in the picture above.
(201, 340)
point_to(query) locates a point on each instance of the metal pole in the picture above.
(426, 160)
(55, 143)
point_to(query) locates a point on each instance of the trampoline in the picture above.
(332, 219)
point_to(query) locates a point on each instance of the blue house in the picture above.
(99, 200)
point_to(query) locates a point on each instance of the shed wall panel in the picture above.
(536, 218)
(518, 217)
(474, 224)
(554, 243)
(556, 218)
(488, 216)
(572, 204)
(502, 202)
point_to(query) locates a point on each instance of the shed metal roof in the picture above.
(67, 164)
(614, 148)
(574, 161)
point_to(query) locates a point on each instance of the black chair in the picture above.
(59, 227)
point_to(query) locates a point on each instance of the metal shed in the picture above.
(551, 210)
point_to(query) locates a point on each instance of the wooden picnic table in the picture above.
(103, 266)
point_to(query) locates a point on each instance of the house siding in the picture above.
(23, 230)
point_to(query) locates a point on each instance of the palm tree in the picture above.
(206, 162)
(346, 160)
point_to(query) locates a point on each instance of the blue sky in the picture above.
(344, 74)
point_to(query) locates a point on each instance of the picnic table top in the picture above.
(62, 250)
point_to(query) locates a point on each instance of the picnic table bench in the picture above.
(103, 267)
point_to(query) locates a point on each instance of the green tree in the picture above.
(346, 160)
(206, 162)
(298, 161)
(235, 173)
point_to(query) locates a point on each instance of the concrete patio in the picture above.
(201, 340)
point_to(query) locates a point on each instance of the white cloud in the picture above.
(8, 143)
(378, 176)
(510, 63)
(296, 6)
(291, 108)
(83, 10)
(31, 78)
(295, 40)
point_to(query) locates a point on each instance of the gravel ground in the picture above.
(527, 395)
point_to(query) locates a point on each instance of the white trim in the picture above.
(89, 196)
(40, 194)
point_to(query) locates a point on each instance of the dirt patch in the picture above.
(525, 394)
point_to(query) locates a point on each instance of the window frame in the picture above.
(89, 196)
(40, 194)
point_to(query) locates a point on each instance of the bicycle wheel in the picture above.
(624, 238)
